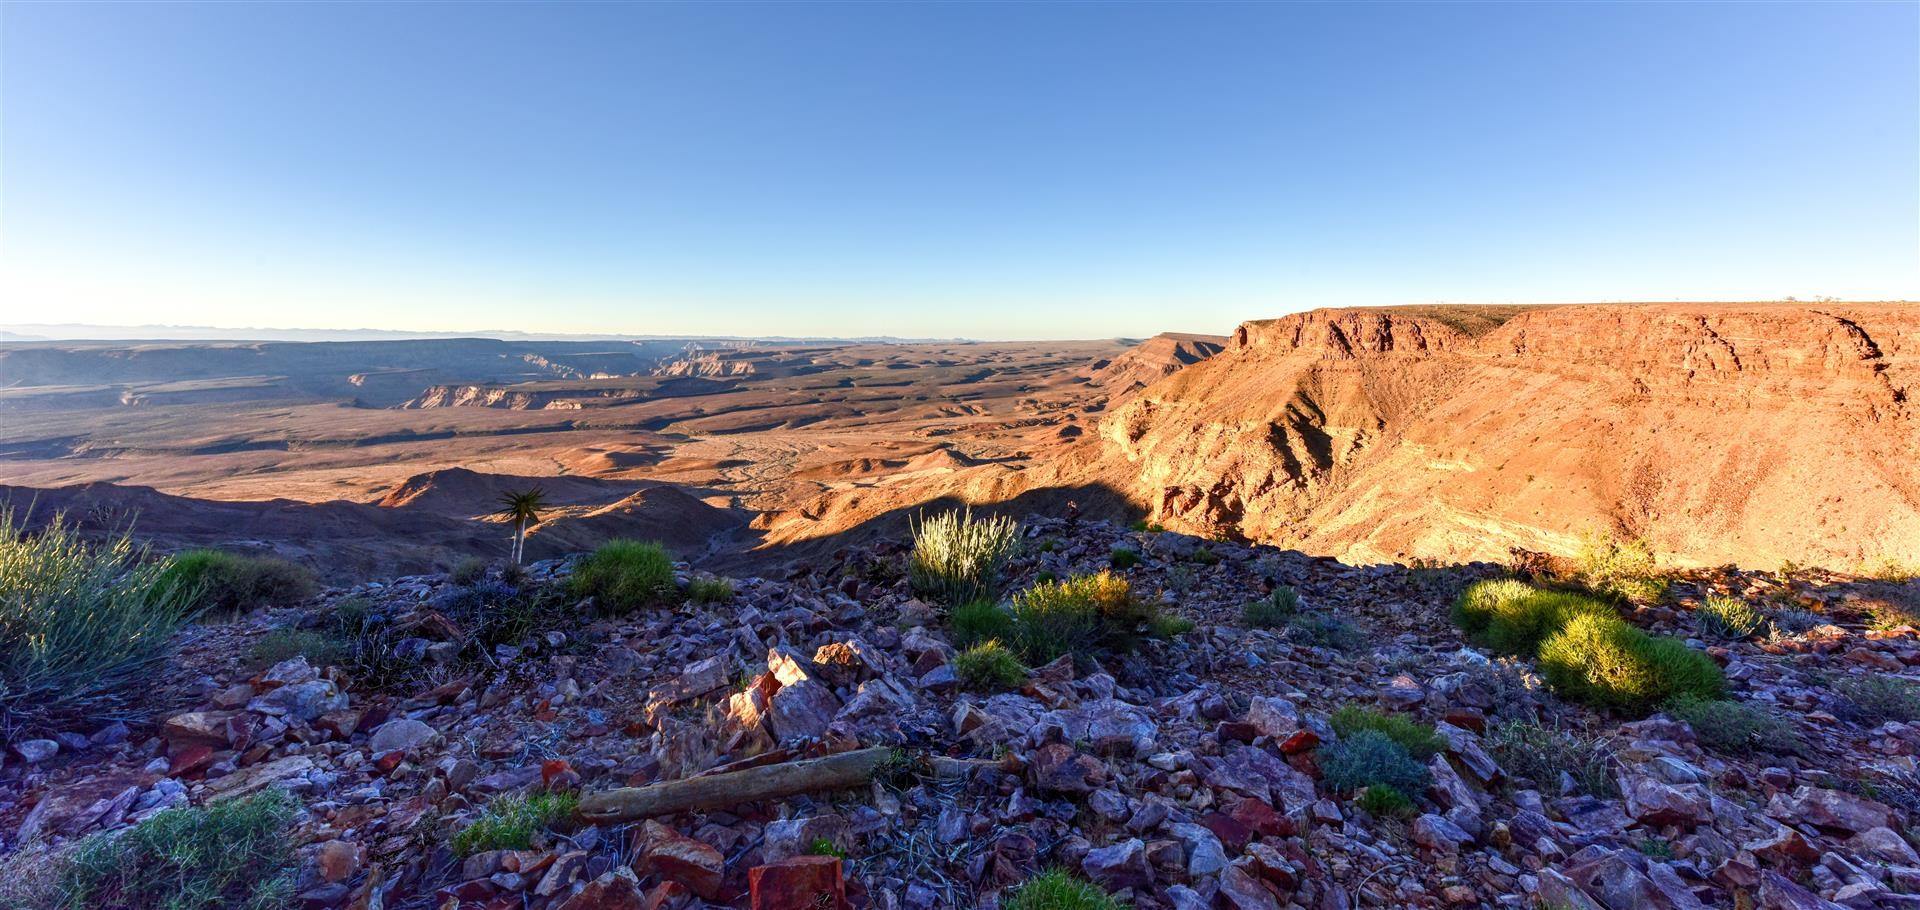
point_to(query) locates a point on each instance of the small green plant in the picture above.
(1058, 890)
(1324, 632)
(1656, 847)
(709, 590)
(1729, 618)
(81, 626)
(1366, 758)
(1417, 738)
(624, 575)
(512, 822)
(1736, 728)
(1271, 611)
(1889, 569)
(1144, 526)
(319, 648)
(468, 571)
(977, 621)
(957, 558)
(228, 584)
(235, 853)
(1876, 698)
(1167, 625)
(1205, 556)
(1624, 568)
(824, 846)
(1604, 661)
(1078, 616)
(1385, 801)
(988, 667)
(1123, 558)
(1538, 754)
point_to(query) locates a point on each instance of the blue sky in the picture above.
(984, 170)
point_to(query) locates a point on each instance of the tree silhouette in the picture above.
(523, 509)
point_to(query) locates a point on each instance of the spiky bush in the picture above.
(1735, 727)
(624, 575)
(232, 854)
(1385, 801)
(1729, 618)
(227, 584)
(1538, 754)
(1417, 738)
(1058, 890)
(82, 627)
(988, 667)
(979, 620)
(1624, 568)
(1512, 617)
(1368, 758)
(1604, 661)
(957, 557)
(1079, 615)
(1271, 611)
(513, 822)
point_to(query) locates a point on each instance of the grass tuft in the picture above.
(1535, 753)
(989, 667)
(512, 822)
(81, 626)
(1367, 758)
(1877, 698)
(1079, 615)
(979, 620)
(1623, 568)
(625, 575)
(1272, 611)
(958, 558)
(1123, 558)
(1417, 738)
(228, 584)
(1057, 890)
(1729, 618)
(1736, 728)
(232, 854)
(710, 590)
(1385, 801)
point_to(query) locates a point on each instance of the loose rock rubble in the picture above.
(1181, 776)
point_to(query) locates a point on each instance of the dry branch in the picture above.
(832, 772)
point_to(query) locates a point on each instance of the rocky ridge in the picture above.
(1181, 776)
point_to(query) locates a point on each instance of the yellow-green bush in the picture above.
(1512, 617)
(1602, 660)
(959, 558)
(226, 584)
(1079, 615)
(988, 667)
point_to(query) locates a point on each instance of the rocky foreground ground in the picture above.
(1183, 775)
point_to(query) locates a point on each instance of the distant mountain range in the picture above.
(30, 332)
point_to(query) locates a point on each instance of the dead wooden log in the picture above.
(832, 772)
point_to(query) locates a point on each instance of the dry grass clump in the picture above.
(958, 558)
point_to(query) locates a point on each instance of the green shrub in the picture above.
(1366, 758)
(1656, 847)
(1417, 738)
(824, 846)
(710, 590)
(228, 584)
(958, 558)
(624, 575)
(1604, 661)
(319, 648)
(1272, 611)
(1511, 617)
(1167, 625)
(988, 667)
(1145, 526)
(979, 620)
(1385, 801)
(468, 571)
(1876, 698)
(1325, 632)
(1532, 752)
(1078, 616)
(1057, 890)
(1729, 618)
(235, 853)
(1123, 558)
(1736, 727)
(1622, 568)
(1205, 556)
(512, 822)
(82, 627)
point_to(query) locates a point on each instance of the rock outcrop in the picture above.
(1719, 432)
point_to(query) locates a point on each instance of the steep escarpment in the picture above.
(1748, 433)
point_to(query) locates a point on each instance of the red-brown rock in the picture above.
(800, 883)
